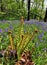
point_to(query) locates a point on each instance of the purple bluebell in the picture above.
(6, 30)
(41, 35)
(4, 21)
(42, 25)
(41, 40)
(0, 30)
(10, 27)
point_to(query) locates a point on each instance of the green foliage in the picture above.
(13, 9)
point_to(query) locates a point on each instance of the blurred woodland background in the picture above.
(14, 9)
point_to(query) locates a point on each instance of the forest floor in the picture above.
(41, 23)
(39, 42)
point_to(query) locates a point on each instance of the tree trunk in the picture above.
(42, 6)
(28, 17)
(45, 18)
(1, 8)
(22, 3)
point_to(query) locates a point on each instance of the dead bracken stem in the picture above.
(11, 39)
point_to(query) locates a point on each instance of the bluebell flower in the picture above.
(41, 35)
(0, 30)
(10, 27)
(4, 21)
(41, 40)
(6, 30)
